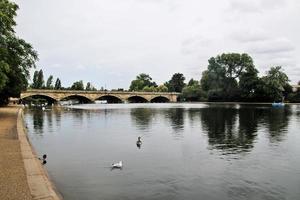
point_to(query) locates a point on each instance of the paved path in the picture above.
(13, 181)
(21, 173)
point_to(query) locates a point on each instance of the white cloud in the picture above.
(110, 42)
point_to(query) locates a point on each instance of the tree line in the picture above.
(38, 82)
(228, 77)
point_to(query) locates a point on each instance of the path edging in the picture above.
(41, 188)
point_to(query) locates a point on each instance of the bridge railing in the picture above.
(97, 92)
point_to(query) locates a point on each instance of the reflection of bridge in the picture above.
(92, 96)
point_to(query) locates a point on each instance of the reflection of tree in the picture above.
(248, 122)
(78, 115)
(142, 117)
(277, 120)
(38, 120)
(193, 115)
(175, 116)
(49, 115)
(230, 129)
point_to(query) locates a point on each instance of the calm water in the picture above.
(189, 151)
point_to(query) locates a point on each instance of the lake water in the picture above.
(189, 151)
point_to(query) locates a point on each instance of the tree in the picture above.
(162, 88)
(193, 91)
(34, 80)
(176, 83)
(90, 87)
(141, 81)
(78, 85)
(249, 83)
(49, 82)
(16, 55)
(275, 83)
(221, 79)
(149, 89)
(57, 85)
(40, 80)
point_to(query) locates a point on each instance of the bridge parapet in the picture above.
(124, 96)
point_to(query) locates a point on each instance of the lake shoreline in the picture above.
(31, 180)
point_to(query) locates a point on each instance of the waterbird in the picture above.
(44, 159)
(139, 142)
(118, 165)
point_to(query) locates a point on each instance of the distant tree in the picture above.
(78, 85)
(49, 82)
(176, 84)
(248, 84)
(57, 85)
(16, 55)
(192, 82)
(193, 92)
(150, 89)
(141, 81)
(40, 80)
(34, 81)
(275, 83)
(90, 87)
(221, 79)
(162, 88)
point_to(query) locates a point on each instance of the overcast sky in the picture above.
(109, 42)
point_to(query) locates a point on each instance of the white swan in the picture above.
(117, 165)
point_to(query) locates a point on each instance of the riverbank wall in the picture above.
(22, 174)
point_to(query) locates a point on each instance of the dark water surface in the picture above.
(189, 151)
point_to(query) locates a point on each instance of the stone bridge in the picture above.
(55, 96)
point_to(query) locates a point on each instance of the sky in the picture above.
(110, 42)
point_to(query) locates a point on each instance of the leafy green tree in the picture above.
(249, 83)
(275, 83)
(40, 80)
(176, 84)
(57, 85)
(34, 80)
(16, 55)
(193, 91)
(90, 87)
(78, 85)
(162, 88)
(49, 82)
(221, 79)
(141, 81)
(150, 89)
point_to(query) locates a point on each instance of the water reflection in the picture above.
(38, 120)
(176, 119)
(142, 117)
(277, 121)
(220, 124)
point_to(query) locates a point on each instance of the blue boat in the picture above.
(279, 104)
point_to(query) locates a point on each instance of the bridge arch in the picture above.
(160, 99)
(110, 98)
(137, 99)
(78, 97)
(34, 98)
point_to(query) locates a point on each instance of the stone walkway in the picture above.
(13, 181)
